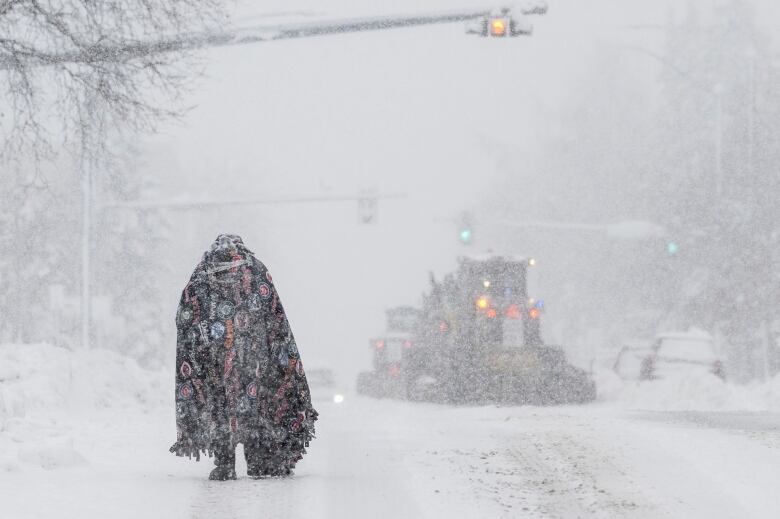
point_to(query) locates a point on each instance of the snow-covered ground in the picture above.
(85, 434)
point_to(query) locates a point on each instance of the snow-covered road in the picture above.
(395, 459)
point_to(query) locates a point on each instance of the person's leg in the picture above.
(268, 460)
(225, 460)
(264, 459)
(256, 459)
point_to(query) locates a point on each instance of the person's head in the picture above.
(223, 258)
(226, 247)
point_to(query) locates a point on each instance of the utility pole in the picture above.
(718, 92)
(751, 55)
(88, 164)
(86, 251)
(765, 326)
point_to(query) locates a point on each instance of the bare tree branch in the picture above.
(59, 56)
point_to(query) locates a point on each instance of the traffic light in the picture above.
(672, 248)
(507, 21)
(466, 228)
(498, 26)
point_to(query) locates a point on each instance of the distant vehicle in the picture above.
(476, 339)
(391, 354)
(320, 377)
(671, 355)
(630, 358)
(322, 384)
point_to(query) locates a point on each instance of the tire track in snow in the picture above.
(564, 477)
(551, 467)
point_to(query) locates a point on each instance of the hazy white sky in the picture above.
(427, 112)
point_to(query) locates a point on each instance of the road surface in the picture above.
(388, 459)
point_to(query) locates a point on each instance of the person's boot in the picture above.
(255, 472)
(262, 472)
(261, 464)
(281, 472)
(223, 473)
(225, 460)
(267, 468)
(256, 464)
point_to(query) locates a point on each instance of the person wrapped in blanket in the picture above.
(239, 376)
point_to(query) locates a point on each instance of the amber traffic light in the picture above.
(498, 27)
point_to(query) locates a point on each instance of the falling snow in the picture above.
(529, 253)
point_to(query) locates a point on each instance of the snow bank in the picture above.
(44, 389)
(52, 455)
(42, 378)
(697, 392)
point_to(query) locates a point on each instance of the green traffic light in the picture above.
(672, 248)
(465, 235)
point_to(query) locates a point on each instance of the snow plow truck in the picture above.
(476, 339)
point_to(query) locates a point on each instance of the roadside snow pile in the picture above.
(40, 378)
(697, 392)
(44, 389)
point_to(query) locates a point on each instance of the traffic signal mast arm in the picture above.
(630, 229)
(202, 204)
(96, 53)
